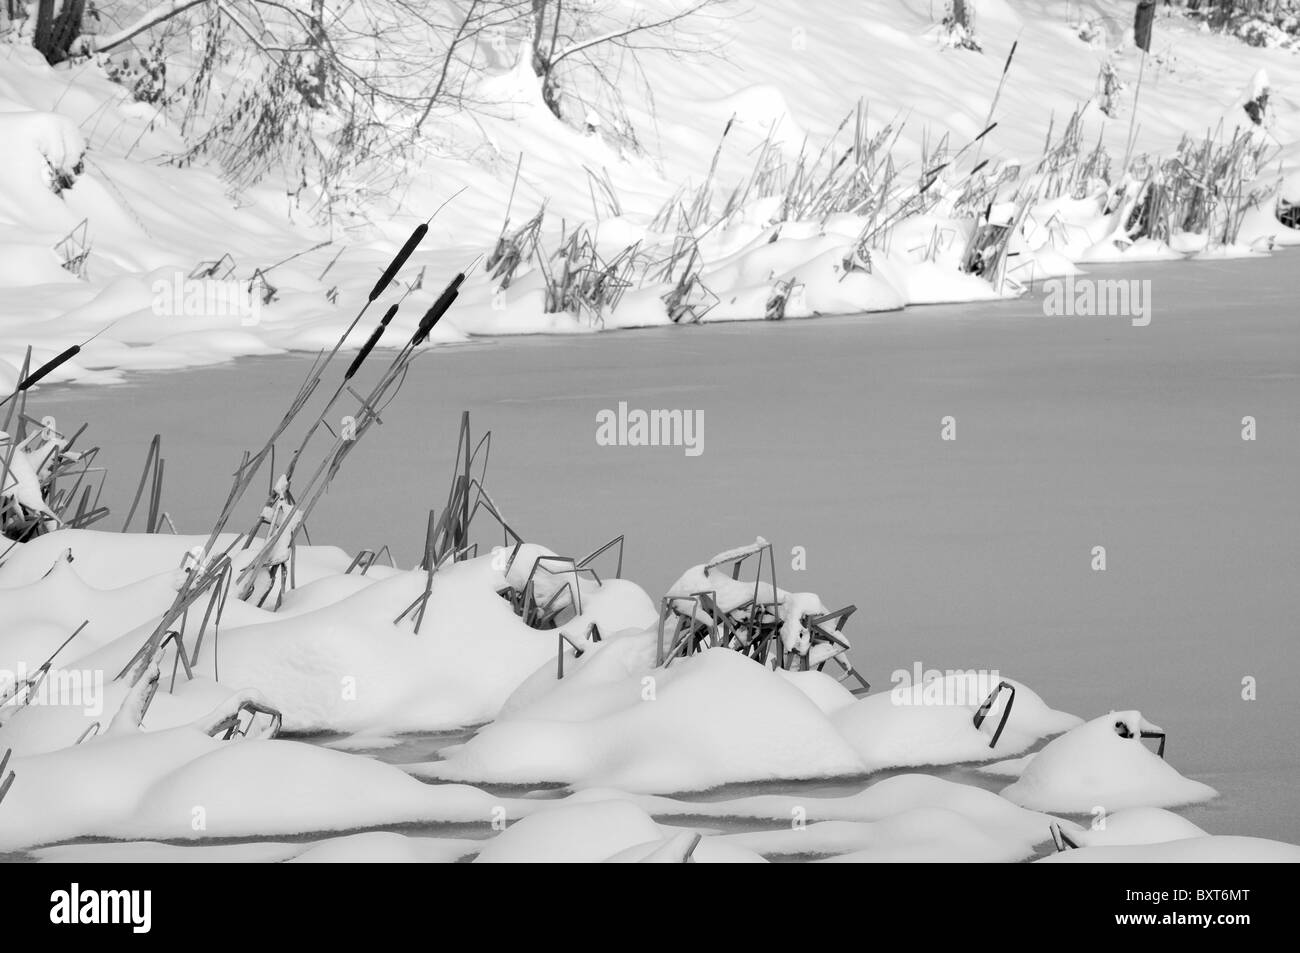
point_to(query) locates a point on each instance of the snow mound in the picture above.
(597, 831)
(933, 722)
(368, 847)
(919, 835)
(182, 784)
(1103, 764)
(1014, 828)
(1137, 825)
(1217, 849)
(711, 719)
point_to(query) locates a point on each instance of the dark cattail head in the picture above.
(49, 366)
(438, 309)
(369, 346)
(396, 264)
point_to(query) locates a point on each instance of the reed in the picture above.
(74, 249)
(515, 250)
(6, 779)
(581, 282)
(1203, 189)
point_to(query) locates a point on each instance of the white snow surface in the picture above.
(147, 220)
(1093, 766)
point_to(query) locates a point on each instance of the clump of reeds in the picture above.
(210, 571)
(1203, 189)
(54, 487)
(756, 624)
(856, 178)
(581, 282)
(778, 298)
(696, 212)
(1070, 169)
(515, 249)
(989, 246)
(688, 299)
(577, 278)
(74, 249)
(447, 538)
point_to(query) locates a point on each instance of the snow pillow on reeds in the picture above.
(1103, 764)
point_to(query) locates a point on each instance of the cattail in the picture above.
(932, 176)
(396, 264)
(49, 366)
(438, 309)
(369, 346)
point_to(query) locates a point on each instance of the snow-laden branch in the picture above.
(93, 43)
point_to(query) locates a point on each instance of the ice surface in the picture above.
(961, 554)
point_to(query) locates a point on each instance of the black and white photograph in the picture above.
(650, 431)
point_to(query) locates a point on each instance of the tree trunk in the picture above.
(543, 68)
(44, 27)
(55, 33)
(313, 85)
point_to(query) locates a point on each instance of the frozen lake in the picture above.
(975, 553)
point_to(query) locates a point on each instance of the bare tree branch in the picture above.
(90, 43)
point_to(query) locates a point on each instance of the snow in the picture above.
(711, 719)
(864, 551)
(923, 835)
(718, 718)
(615, 730)
(149, 220)
(591, 832)
(933, 723)
(572, 834)
(873, 802)
(1136, 825)
(1093, 767)
(369, 847)
(1199, 850)
(182, 784)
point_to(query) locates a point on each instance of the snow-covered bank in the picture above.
(565, 672)
(144, 740)
(900, 230)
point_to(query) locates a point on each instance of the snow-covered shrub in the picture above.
(1273, 24)
(1108, 88)
(43, 148)
(959, 27)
